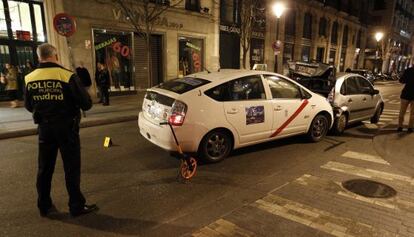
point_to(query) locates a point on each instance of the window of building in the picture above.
(192, 5)
(40, 32)
(3, 24)
(358, 41)
(21, 23)
(334, 33)
(345, 36)
(229, 11)
(287, 52)
(290, 23)
(306, 53)
(113, 49)
(191, 54)
(320, 53)
(332, 56)
(307, 26)
(379, 5)
(256, 51)
(322, 26)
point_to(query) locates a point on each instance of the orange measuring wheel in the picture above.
(188, 168)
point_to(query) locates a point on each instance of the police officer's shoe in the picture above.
(46, 212)
(84, 210)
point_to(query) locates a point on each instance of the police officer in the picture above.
(55, 96)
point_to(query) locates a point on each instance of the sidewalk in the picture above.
(396, 147)
(18, 122)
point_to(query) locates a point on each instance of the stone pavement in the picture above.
(16, 122)
(318, 204)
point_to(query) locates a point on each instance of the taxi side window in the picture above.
(282, 88)
(246, 88)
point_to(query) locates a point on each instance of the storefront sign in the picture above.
(122, 49)
(234, 29)
(64, 24)
(405, 34)
(190, 45)
(160, 21)
(105, 43)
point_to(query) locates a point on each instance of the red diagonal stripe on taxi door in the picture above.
(291, 118)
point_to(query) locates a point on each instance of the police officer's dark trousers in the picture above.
(60, 135)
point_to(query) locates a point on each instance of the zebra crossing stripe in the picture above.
(387, 116)
(365, 157)
(222, 228)
(366, 173)
(315, 218)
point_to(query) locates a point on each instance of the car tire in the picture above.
(377, 115)
(318, 128)
(215, 146)
(340, 124)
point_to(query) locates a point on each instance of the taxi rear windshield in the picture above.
(182, 85)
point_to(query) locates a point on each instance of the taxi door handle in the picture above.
(278, 108)
(233, 111)
(350, 100)
(365, 99)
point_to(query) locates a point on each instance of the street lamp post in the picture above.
(378, 37)
(278, 9)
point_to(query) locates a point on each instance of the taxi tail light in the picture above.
(331, 96)
(178, 112)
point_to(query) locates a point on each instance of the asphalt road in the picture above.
(134, 184)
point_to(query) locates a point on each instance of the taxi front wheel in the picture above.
(215, 146)
(318, 128)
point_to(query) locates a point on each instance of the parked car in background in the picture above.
(213, 113)
(365, 73)
(351, 95)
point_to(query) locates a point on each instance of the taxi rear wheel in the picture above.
(215, 146)
(318, 128)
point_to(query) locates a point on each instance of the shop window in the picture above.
(307, 26)
(192, 5)
(306, 53)
(287, 53)
(3, 24)
(191, 53)
(21, 23)
(40, 33)
(332, 55)
(113, 49)
(229, 11)
(320, 53)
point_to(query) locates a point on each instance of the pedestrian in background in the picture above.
(28, 68)
(103, 82)
(9, 78)
(84, 77)
(407, 98)
(55, 96)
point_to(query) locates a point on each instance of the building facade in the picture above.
(395, 19)
(22, 28)
(185, 40)
(325, 31)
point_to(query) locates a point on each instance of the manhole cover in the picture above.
(369, 188)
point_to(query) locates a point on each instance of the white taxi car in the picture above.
(213, 113)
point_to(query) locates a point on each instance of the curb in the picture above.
(85, 124)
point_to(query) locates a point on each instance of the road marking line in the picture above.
(221, 228)
(387, 119)
(367, 173)
(365, 157)
(385, 100)
(388, 116)
(391, 111)
(316, 218)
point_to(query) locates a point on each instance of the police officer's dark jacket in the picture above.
(54, 93)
